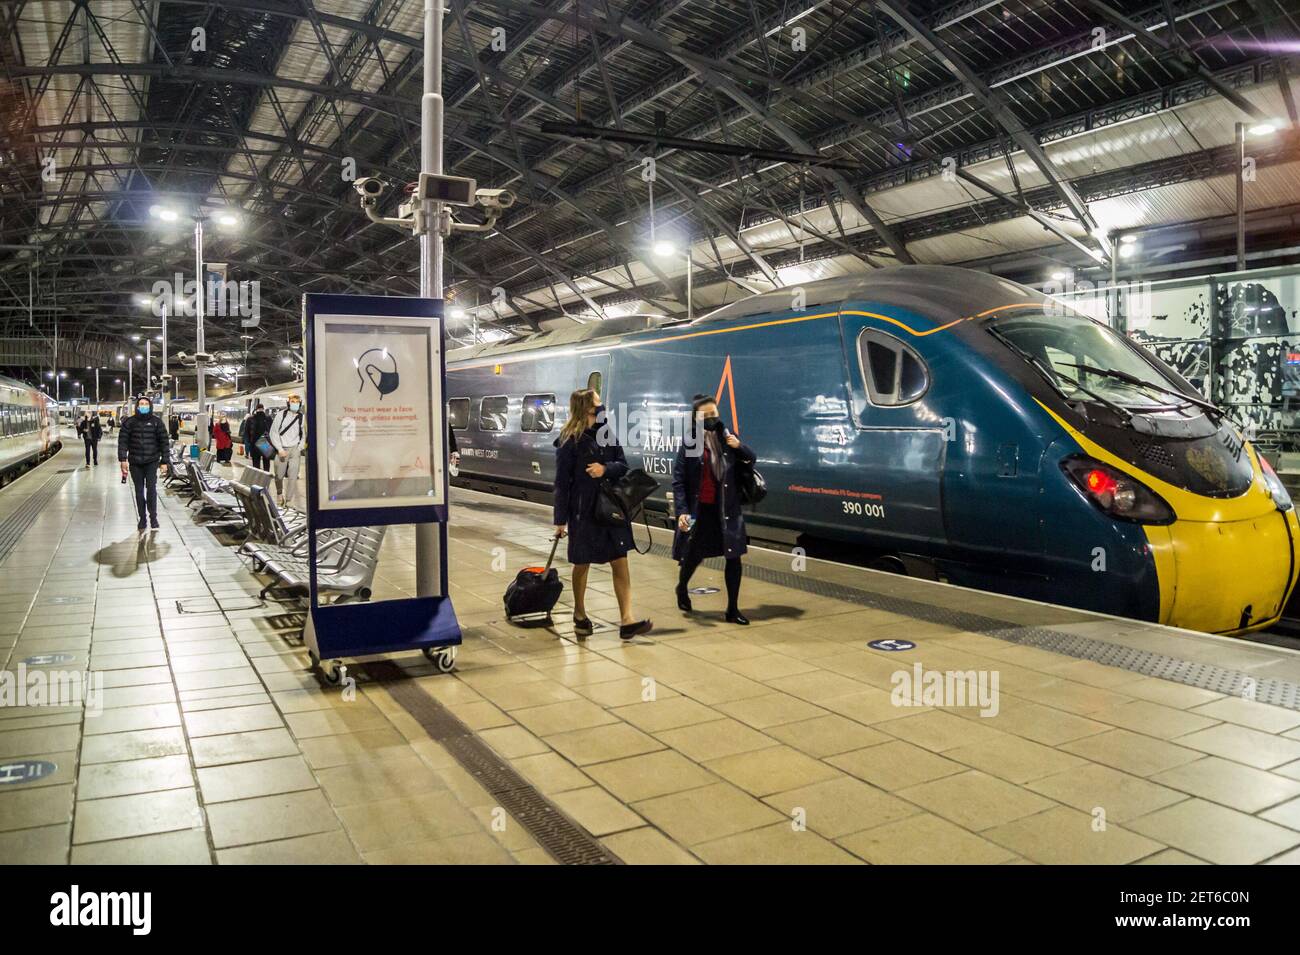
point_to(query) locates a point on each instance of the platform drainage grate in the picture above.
(13, 527)
(1204, 676)
(564, 840)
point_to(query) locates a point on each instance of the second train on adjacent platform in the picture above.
(932, 419)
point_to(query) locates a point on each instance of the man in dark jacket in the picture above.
(141, 448)
(255, 426)
(91, 432)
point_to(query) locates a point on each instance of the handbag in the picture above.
(264, 447)
(750, 483)
(617, 501)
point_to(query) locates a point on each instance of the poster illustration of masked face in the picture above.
(380, 382)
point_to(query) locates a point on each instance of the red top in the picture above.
(708, 486)
(222, 434)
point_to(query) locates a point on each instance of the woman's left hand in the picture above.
(733, 441)
(596, 470)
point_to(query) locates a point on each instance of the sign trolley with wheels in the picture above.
(376, 456)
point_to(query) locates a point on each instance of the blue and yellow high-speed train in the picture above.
(930, 418)
(29, 427)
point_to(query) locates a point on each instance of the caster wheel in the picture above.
(443, 658)
(335, 674)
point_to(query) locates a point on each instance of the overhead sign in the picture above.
(378, 383)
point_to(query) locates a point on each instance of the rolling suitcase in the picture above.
(535, 590)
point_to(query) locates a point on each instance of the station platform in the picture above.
(1099, 740)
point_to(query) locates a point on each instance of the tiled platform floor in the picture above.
(705, 743)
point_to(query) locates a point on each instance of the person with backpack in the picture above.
(582, 461)
(706, 499)
(91, 432)
(286, 434)
(255, 426)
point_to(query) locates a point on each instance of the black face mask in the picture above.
(712, 424)
(387, 382)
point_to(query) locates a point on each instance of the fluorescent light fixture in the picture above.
(456, 313)
(227, 219)
(121, 358)
(663, 249)
(162, 212)
(135, 338)
(286, 361)
(1059, 276)
(1127, 251)
(1128, 239)
(1265, 128)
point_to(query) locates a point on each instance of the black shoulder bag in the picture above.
(749, 483)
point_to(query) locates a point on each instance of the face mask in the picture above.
(294, 406)
(712, 424)
(143, 409)
(387, 383)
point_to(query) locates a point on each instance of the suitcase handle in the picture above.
(554, 546)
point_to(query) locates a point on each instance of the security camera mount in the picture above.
(444, 191)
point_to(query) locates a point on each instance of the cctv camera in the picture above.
(495, 198)
(370, 187)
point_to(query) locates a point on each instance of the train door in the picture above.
(897, 449)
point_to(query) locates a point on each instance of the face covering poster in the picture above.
(380, 382)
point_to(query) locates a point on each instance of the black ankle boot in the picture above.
(735, 616)
(683, 599)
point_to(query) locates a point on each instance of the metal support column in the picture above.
(1241, 197)
(428, 542)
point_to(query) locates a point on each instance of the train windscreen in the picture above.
(1086, 359)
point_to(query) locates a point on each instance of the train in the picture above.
(928, 420)
(29, 428)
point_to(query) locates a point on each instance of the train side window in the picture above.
(594, 382)
(894, 374)
(458, 413)
(538, 415)
(492, 413)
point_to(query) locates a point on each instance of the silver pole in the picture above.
(1241, 197)
(428, 550)
(690, 267)
(1114, 283)
(96, 390)
(201, 415)
(165, 390)
(130, 371)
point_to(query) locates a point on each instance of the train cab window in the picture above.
(538, 415)
(492, 413)
(458, 413)
(594, 382)
(894, 374)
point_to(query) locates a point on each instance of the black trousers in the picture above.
(257, 459)
(145, 479)
(92, 449)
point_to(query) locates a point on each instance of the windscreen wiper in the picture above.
(1052, 375)
(1143, 383)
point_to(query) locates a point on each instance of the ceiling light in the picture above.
(227, 219)
(663, 249)
(1127, 251)
(1128, 239)
(1059, 276)
(456, 313)
(1265, 128)
(121, 358)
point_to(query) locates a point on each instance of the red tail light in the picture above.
(1118, 494)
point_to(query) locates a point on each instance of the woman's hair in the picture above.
(581, 404)
(699, 401)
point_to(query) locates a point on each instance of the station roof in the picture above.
(1069, 118)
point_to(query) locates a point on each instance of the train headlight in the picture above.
(1276, 489)
(1116, 493)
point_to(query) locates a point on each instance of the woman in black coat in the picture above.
(707, 499)
(586, 455)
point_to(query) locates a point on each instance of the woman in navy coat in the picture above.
(707, 499)
(587, 454)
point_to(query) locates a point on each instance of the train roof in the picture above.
(567, 335)
(942, 292)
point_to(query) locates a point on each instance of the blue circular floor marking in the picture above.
(25, 771)
(893, 645)
(702, 591)
(46, 659)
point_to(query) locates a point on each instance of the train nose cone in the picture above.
(1226, 576)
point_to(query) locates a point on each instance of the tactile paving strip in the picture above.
(24, 515)
(564, 840)
(1205, 676)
